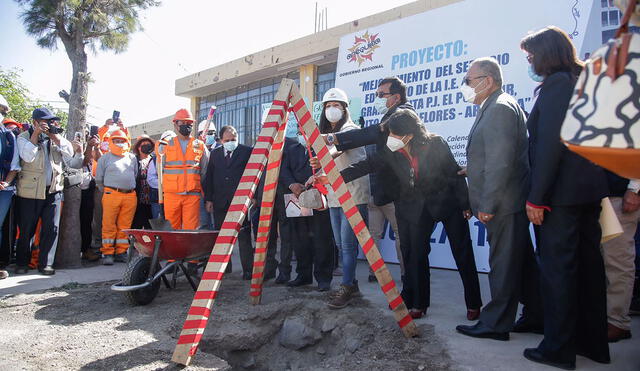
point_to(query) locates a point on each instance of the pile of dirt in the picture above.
(92, 327)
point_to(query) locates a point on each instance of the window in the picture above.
(605, 19)
(613, 17)
(604, 3)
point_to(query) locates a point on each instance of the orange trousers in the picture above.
(117, 214)
(183, 211)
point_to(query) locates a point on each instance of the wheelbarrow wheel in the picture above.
(137, 273)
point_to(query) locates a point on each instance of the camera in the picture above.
(54, 129)
(116, 116)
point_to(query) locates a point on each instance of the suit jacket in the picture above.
(558, 176)
(497, 160)
(438, 185)
(295, 166)
(222, 180)
(374, 135)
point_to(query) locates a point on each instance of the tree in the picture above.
(81, 26)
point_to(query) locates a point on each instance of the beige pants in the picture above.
(377, 216)
(619, 254)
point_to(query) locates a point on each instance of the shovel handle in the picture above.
(160, 171)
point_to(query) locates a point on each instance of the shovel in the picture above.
(160, 224)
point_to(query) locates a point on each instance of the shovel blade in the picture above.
(160, 224)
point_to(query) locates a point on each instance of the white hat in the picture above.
(168, 135)
(335, 95)
(3, 102)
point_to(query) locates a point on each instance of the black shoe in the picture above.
(299, 281)
(324, 286)
(524, 324)
(21, 269)
(47, 271)
(533, 354)
(246, 276)
(479, 331)
(282, 278)
(269, 276)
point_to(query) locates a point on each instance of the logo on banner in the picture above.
(363, 48)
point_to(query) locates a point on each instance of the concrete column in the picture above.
(307, 83)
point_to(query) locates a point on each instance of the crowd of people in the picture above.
(575, 291)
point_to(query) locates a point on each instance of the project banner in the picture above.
(431, 52)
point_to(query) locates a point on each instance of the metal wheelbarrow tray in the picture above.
(141, 280)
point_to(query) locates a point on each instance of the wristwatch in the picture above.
(331, 139)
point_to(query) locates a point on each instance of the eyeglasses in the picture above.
(381, 94)
(467, 80)
(529, 58)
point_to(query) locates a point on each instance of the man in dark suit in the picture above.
(498, 173)
(226, 165)
(311, 235)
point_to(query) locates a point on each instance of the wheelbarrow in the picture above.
(141, 280)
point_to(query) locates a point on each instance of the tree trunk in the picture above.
(68, 254)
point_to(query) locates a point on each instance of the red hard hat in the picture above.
(183, 114)
(8, 121)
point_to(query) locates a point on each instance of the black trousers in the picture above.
(511, 258)
(142, 216)
(416, 290)
(244, 240)
(574, 284)
(27, 222)
(313, 246)
(86, 216)
(9, 232)
(271, 264)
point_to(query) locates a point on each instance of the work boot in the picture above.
(90, 255)
(282, 278)
(107, 260)
(120, 258)
(342, 297)
(354, 292)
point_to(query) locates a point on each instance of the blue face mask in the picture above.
(534, 76)
(210, 140)
(291, 131)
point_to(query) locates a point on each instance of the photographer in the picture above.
(42, 152)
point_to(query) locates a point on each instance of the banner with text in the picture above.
(431, 53)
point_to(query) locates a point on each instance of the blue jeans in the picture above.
(155, 210)
(5, 204)
(206, 218)
(346, 241)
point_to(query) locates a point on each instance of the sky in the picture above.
(180, 37)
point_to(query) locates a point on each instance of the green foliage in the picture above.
(18, 96)
(103, 24)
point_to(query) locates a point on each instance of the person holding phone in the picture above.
(40, 183)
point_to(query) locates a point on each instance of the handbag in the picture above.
(602, 123)
(313, 199)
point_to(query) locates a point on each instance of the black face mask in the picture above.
(185, 130)
(146, 148)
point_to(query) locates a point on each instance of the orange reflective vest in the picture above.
(182, 170)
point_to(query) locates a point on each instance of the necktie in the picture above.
(227, 158)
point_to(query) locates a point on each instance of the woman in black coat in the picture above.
(428, 190)
(564, 201)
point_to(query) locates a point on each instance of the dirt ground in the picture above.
(91, 327)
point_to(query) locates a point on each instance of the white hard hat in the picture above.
(202, 125)
(3, 102)
(335, 95)
(168, 135)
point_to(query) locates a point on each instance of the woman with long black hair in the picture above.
(564, 202)
(429, 190)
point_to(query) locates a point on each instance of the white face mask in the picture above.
(230, 146)
(121, 145)
(469, 93)
(380, 105)
(395, 144)
(333, 114)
